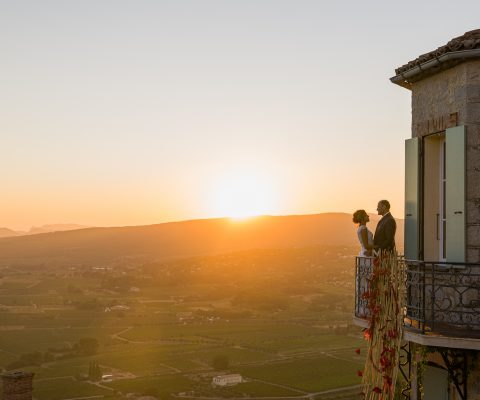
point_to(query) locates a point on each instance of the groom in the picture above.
(384, 238)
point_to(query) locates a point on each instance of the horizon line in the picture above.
(232, 218)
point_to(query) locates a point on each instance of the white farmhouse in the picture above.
(227, 380)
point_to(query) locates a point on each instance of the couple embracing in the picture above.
(384, 238)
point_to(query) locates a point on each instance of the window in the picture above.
(435, 196)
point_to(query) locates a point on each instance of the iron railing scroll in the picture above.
(441, 297)
(363, 274)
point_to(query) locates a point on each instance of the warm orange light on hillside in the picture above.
(242, 195)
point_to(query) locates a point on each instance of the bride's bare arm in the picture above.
(365, 240)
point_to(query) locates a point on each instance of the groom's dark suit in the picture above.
(384, 238)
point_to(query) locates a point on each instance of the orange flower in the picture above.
(366, 295)
(385, 362)
(392, 334)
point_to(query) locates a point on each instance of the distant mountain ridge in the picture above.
(186, 238)
(5, 232)
(34, 230)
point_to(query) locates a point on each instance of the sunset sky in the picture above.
(140, 112)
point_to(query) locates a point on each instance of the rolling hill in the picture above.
(5, 232)
(95, 246)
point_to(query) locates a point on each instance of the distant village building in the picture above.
(117, 308)
(185, 315)
(17, 385)
(107, 377)
(227, 380)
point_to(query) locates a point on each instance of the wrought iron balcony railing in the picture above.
(442, 298)
(363, 273)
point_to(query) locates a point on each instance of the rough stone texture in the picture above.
(473, 255)
(473, 235)
(473, 136)
(472, 99)
(473, 179)
(473, 72)
(472, 90)
(473, 158)
(473, 113)
(473, 210)
(473, 388)
(440, 95)
(456, 90)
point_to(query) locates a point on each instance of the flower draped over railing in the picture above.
(385, 299)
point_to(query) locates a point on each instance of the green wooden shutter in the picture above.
(455, 194)
(411, 198)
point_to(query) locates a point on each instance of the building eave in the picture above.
(433, 66)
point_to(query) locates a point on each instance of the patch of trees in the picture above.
(72, 289)
(224, 313)
(35, 358)
(157, 393)
(292, 289)
(121, 283)
(86, 346)
(261, 301)
(89, 305)
(220, 362)
(94, 371)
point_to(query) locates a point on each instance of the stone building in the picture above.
(17, 385)
(440, 357)
(227, 380)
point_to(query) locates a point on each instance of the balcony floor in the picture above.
(432, 338)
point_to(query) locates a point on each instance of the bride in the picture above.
(365, 237)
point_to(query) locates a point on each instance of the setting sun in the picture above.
(242, 195)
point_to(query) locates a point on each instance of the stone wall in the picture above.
(452, 98)
(437, 97)
(474, 384)
(472, 121)
(473, 378)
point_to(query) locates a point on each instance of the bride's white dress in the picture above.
(364, 264)
(363, 250)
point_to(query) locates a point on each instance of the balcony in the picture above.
(442, 302)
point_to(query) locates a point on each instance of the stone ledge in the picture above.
(363, 323)
(441, 341)
(430, 339)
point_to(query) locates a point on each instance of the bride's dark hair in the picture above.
(359, 216)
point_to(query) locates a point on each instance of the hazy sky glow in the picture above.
(139, 112)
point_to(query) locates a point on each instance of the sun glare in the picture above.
(243, 195)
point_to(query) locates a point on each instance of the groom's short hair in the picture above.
(386, 203)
